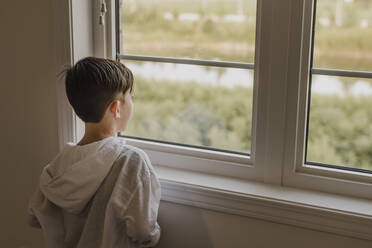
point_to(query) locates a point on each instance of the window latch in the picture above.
(103, 12)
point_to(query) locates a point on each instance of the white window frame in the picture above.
(260, 166)
(283, 41)
(296, 172)
(188, 158)
(281, 54)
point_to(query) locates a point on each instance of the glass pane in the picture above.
(199, 29)
(194, 105)
(340, 129)
(343, 35)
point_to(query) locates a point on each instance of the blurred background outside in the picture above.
(212, 106)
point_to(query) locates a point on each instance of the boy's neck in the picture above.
(95, 132)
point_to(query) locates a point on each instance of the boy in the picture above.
(99, 192)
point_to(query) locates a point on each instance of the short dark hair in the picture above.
(93, 83)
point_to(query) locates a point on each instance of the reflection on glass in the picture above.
(194, 105)
(343, 37)
(340, 130)
(199, 29)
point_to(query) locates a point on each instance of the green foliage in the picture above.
(193, 113)
(340, 131)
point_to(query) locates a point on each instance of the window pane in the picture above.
(194, 105)
(340, 129)
(200, 29)
(343, 37)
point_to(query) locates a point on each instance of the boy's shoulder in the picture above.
(135, 159)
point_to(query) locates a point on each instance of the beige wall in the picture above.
(29, 141)
(28, 112)
(185, 227)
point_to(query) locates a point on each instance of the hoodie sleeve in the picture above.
(141, 213)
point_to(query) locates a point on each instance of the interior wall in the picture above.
(29, 141)
(188, 226)
(28, 113)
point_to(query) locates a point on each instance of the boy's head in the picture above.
(94, 84)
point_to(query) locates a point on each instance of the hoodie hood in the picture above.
(75, 175)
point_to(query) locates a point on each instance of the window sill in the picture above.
(303, 208)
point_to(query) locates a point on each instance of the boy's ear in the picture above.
(115, 109)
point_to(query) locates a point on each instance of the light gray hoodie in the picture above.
(104, 194)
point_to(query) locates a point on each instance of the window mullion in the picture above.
(341, 73)
(299, 64)
(272, 69)
(187, 61)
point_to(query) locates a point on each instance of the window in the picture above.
(273, 91)
(340, 115)
(325, 110)
(281, 81)
(193, 62)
